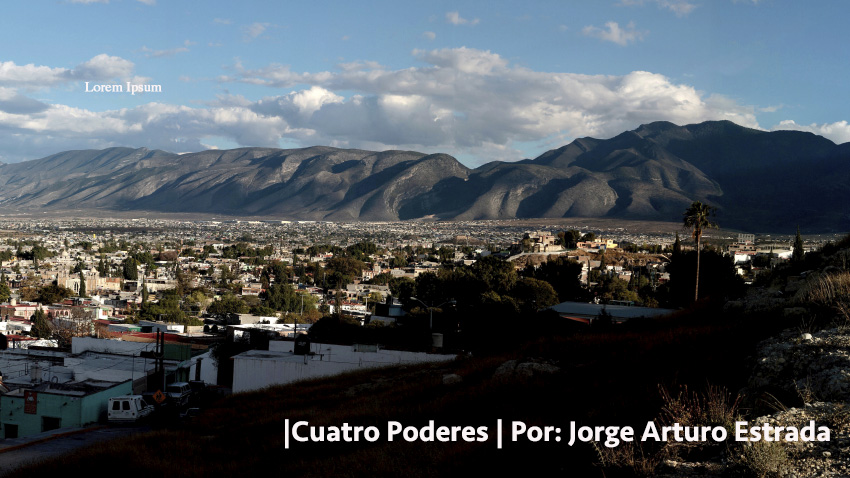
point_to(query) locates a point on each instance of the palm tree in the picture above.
(697, 218)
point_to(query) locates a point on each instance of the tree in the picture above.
(342, 270)
(228, 304)
(797, 254)
(697, 218)
(51, 294)
(5, 292)
(677, 246)
(130, 269)
(102, 267)
(533, 294)
(571, 238)
(563, 274)
(83, 285)
(40, 325)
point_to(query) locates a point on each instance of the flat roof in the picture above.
(583, 309)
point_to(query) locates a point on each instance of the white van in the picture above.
(128, 409)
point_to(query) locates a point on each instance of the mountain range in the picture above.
(759, 181)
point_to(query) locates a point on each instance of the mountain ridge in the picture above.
(760, 181)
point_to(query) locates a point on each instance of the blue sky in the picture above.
(481, 80)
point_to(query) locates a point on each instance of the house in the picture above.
(598, 245)
(47, 406)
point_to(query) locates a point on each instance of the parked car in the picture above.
(179, 393)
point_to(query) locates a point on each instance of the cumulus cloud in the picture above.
(467, 102)
(470, 99)
(31, 75)
(101, 67)
(613, 33)
(838, 132)
(455, 19)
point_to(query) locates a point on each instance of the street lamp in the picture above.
(431, 310)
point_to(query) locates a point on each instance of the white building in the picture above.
(256, 369)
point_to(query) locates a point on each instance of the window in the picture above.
(50, 423)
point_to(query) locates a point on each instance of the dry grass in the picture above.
(825, 288)
(830, 291)
(763, 459)
(715, 407)
(631, 458)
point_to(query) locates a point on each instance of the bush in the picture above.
(763, 459)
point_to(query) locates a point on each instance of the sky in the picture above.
(480, 80)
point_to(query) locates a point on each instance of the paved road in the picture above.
(17, 452)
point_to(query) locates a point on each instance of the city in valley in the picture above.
(162, 321)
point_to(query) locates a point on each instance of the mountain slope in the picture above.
(760, 181)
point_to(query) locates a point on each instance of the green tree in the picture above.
(342, 270)
(167, 308)
(563, 274)
(52, 293)
(533, 294)
(5, 292)
(571, 238)
(102, 267)
(229, 304)
(40, 325)
(499, 274)
(82, 292)
(130, 269)
(697, 218)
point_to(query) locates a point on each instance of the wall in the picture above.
(94, 406)
(209, 371)
(84, 344)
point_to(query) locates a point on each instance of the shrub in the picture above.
(763, 459)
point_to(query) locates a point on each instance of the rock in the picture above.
(451, 379)
(817, 364)
(506, 369)
(529, 368)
